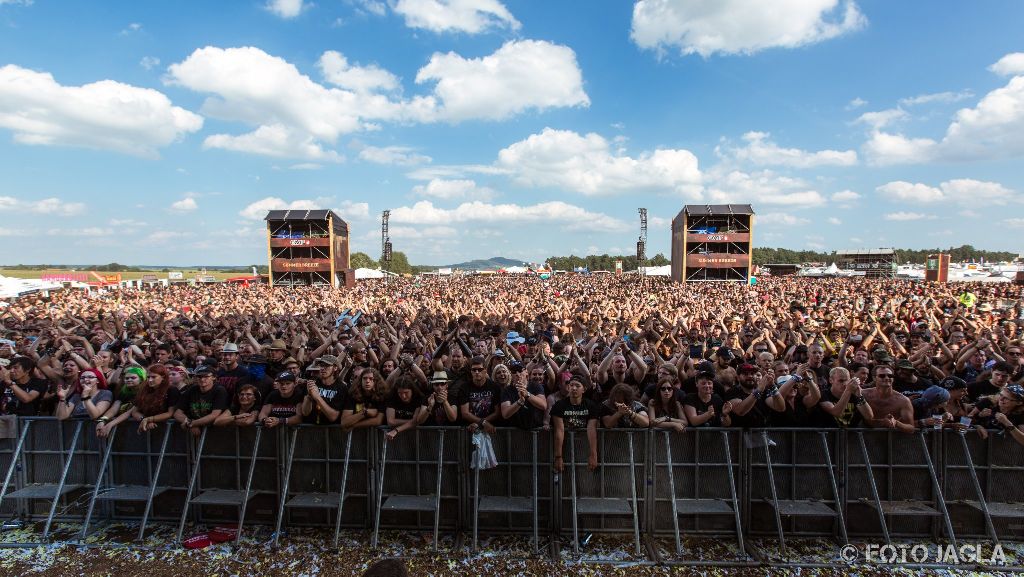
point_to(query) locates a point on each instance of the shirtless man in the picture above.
(892, 409)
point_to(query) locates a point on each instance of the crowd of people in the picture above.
(571, 352)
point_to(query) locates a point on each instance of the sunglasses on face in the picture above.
(663, 389)
(884, 376)
(477, 369)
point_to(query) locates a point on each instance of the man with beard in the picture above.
(325, 397)
(230, 375)
(754, 398)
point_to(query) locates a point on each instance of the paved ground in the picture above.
(111, 551)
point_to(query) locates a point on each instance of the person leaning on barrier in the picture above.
(523, 403)
(754, 398)
(890, 409)
(325, 398)
(576, 413)
(282, 404)
(153, 402)
(439, 410)
(365, 403)
(623, 411)
(201, 403)
(665, 411)
(406, 407)
(706, 408)
(22, 394)
(480, 400)
(244, 409)
(1004, 411)
(89, 398)
(930, 408)
(132, 377)
(842, 404)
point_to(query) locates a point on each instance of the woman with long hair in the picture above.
(132, 377)
(623, 410)
(405, 407)
(665, 410)
(366, 402)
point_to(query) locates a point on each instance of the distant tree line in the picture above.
(956, 254)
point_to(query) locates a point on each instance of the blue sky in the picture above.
(160, 133)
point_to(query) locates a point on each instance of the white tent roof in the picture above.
(14, 287)
(362, 273)
(516, 269)
(832, 269)
(657, 270)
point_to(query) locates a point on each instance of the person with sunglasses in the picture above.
(665, 411)
(480, 400)
(890, 408)
(842, 404)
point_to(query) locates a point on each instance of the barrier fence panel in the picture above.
(892, 484)
(515, 496)
(319, 473)
(9, 508)
(419, 479)
(59, 461)
(995, 466)
(793, 482)
(610, 498)
(694, 484)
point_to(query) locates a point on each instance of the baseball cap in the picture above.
(202, 371)
(286, 376)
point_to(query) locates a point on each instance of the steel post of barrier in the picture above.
(156, 479)
(191, 483)
(732, 490)
(775, 495)
(380, 492)
(289, 456)
(993, 490)
(99, 481)
(63, 478)
(14, 461)
(341, 491)
(874, 487)
(248, 482)
(572, 476)
(937, 487)
(672, 493)
(835, 488)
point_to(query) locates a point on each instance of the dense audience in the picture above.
(570, 352)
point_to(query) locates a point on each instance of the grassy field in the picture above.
(188, 273)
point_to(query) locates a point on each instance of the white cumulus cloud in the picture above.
(49, 206)
(470, 16)
(258, 210)
(587, 164)
(185, 205)
(397, 155)
(761, 187)
(453, 189)
(740, 26)
(834, 220)
(571, 217)
(337, 70)
(845, 196)
(960, 190)
(906, 216)
(781, 219)
(1010, 65)
(521, 75)
(286, 9)
(761, 151)
(106, 114)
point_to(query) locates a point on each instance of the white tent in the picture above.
(515, 269)
(362, 273)
(832, 270)
(15, 287)
(657, 270)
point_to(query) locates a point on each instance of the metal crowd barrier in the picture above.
(725, 482)
(793, 474)
(694, 481)
(982, 484)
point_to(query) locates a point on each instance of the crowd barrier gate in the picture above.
(697, 477)
(806, 489)
(601, 489)
(981, 484)
(904, 495)
(119, 488)
(872, 483)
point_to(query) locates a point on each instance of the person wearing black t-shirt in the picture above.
(439, 410)
(754, 398)
(842, 404)
(283, 403)
(230, 375)
(243, 410)
(202, 403)
(480, 400)
(21, 392)
(325, 398)
(523, 403)
(999, 377)
(623, 411)
(405, 409)
(706, 408)
(366, 400)
(576, 413)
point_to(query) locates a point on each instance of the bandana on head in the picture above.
(1016, 390)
